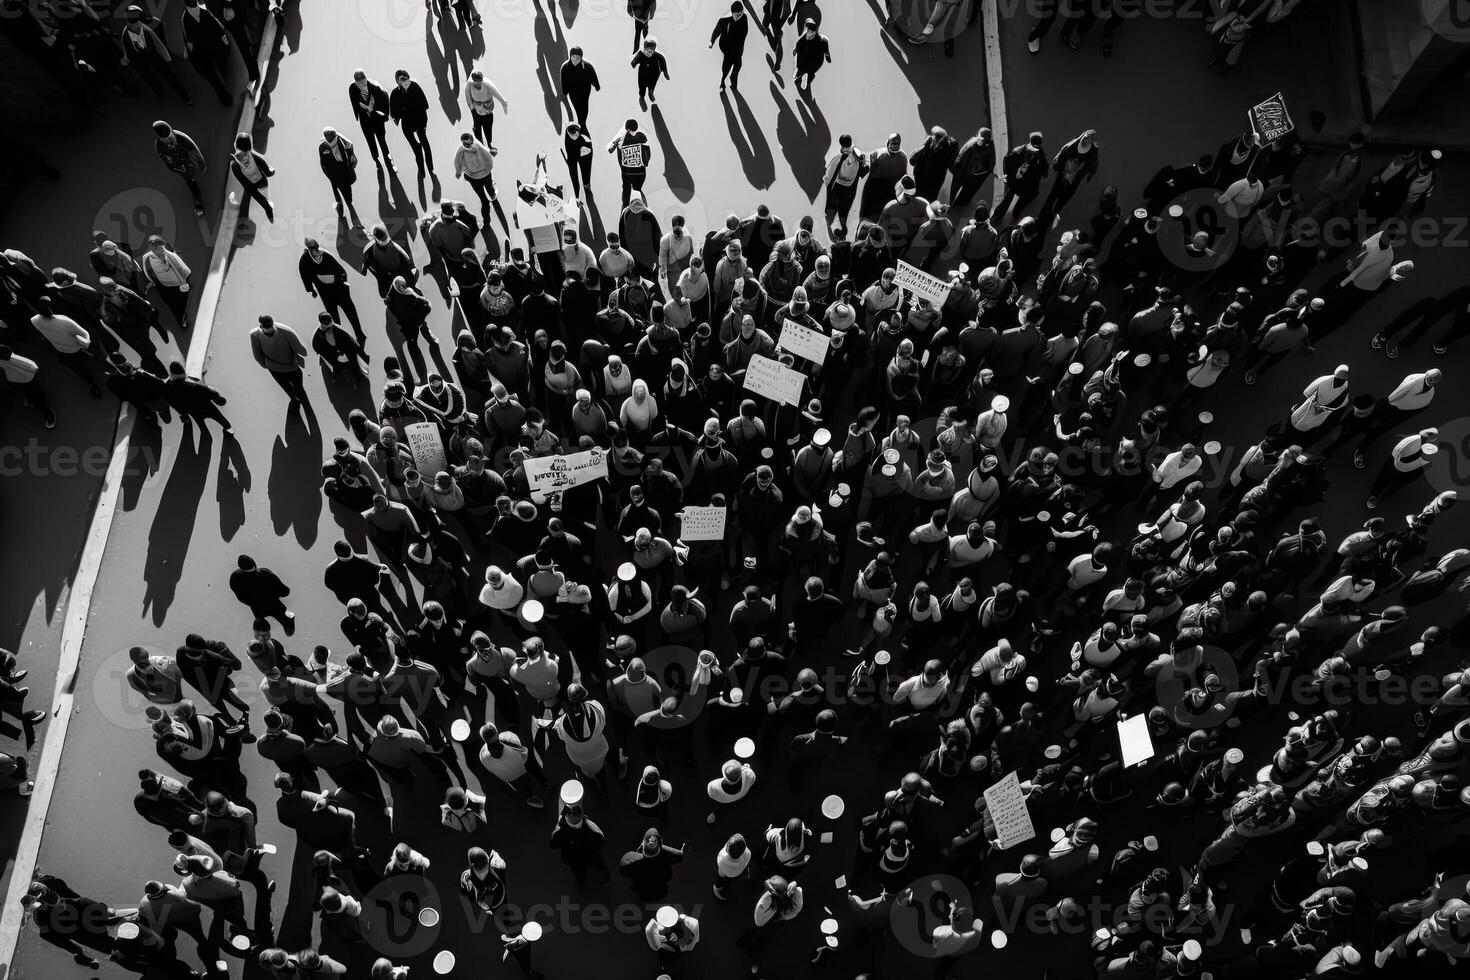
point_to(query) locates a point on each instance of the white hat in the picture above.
(821, 437)
(627, 572)
(666, 916)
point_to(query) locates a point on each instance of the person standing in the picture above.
(974, 163)
(577, 151)
(1074, 163)
(932, 161)
(730, 33)
(885, 167)
(480, 97)
(278, 349)
(70, 340)
(143, 48)
(578, 80)
(409, 108)
(167, 272)
(253, 173)
(631, 146)
(207, 46)
(846, 167)
(20, 372)
(370, 105)
(181, 154)
(326, 279)
(811, 51)
(670, 933)
(262, 592)
(650, 65)
(338, 159)
(1024, 168)
(193, 399)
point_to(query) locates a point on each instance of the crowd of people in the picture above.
(993, 527)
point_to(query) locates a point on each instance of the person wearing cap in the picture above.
(885, 167)
(1408, 456)
(932, 242)
(811, 51)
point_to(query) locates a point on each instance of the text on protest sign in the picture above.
(1271, 120)
(427, 449)
(774, 380)
(702, 524)
(1007, 807)
(921, 284)
(803, 341)
(547, 474)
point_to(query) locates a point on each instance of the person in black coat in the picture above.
(207, 45)
(730, 32)
(337, 348)
(338, 158)
(143, 389)
(578, 79)
(370, 106)
(193, 399)
(261, 590)
(325, 278)
(409, 108)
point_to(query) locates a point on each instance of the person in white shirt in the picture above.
(1412, 396)
(925, 689)
(1321, 400)
(480, 96)
(1241, 197)
(731, 864)
(70, 340)
(736, 779)
(1408, 456)
(20, 373)
(167, 272)
(1001, 663)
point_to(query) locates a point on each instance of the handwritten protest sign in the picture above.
(547, 474)
(427, 448)
(544, 239)
(1007, 807)
(774, 380)
(702, 524)
(921, 284)
(1270, 120)
(1134, 740)
(803, 341)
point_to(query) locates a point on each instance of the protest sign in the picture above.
(1133, 738)
(545, 239)
(702, 524)
(774, 380)
(547, 474)
(921, 284)
(1007, 807)
(1271, 120)
(803, 341)
(427, 449)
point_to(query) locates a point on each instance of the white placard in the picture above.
(1134, 738)
(544, 239)
(702, 524)
(774, 380)
(803, 341)
(427, 449)
(546, 474)
(1007, 807)
(932, 288)
(546, 209)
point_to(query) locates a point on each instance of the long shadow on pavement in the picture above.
(804, 140)
(750, 142)
(295, 502)
(173, 522)
(676, 170)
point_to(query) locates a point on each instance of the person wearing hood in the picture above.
(819, 285)
(782, 275)
(410, 310)
(901, 217)
(933, 238)
(750, 341)
(1074, 163)
(933, 160)
(885, 167)
(973, 163)
(639, 232)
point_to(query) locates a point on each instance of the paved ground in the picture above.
(186, 519)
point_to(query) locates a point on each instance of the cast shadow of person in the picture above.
(232, 482)
(804, 141)
(750, 142)
(445, 69)
(173, 522)
(676, 171)
(295, 502)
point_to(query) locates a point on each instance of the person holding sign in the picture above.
(631, 146)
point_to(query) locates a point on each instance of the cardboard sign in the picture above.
(1271, 120)
(932, 288)
(544, 239)
(1135, 741)
(547, 474)
(427, 449)
(1007, 807)
(804, 341)
(702, 524)
(774, 380)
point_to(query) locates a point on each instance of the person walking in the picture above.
(207, 46)
(261, 591)
(1419, 317)
(20, 373)
(278, 349)
(409, 108)
(325, 278)
(70, 340)
(370, 105)
(1408, 456)
(253, 172)
(480, 97)
(1074, 163)
(410, 309)
(193, 399)
(577, 152)
(846, 167)
(634, 153)
(811, 51)
(730, 33)
(166, 271)
(578, 81)
(1024, 168)
(475, 162)
(974, 163)
(338, 160)
(650, 65)
(180, 154)
(144, 50)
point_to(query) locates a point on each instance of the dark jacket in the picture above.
(205, 38)
(730, 33)
(977, 156)
(409, 107)
(190, 395)
(379, 112)
(342, 171)
(578, 81)
(326, 273)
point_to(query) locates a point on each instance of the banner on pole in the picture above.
(803, 341)
(774, 380)
(1007, 807)
(702, 524)
(921, 284)
(1271, 120)
(548, 474)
